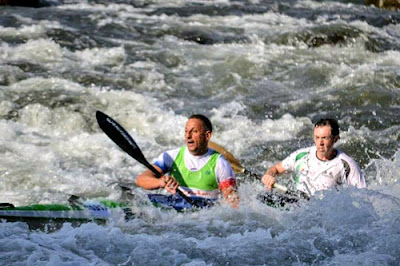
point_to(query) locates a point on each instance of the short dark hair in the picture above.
(206, 122)
(329, 122)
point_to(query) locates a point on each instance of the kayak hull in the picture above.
(49, 224)
(51, 217)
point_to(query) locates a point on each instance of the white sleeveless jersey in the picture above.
(312, 174)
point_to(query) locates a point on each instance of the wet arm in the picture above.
(148, 179)
(231, 196)
(271, 174)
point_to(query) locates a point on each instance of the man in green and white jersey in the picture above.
(200, 172)
(321, 166)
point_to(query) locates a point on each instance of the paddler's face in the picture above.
(196, 137)
(324, 142)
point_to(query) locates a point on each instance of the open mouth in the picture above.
(190, 142)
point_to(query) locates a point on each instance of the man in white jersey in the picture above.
(200, 172)
(321, 166)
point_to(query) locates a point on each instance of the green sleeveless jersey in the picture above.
(202, 179)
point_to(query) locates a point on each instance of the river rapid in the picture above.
(263, 71)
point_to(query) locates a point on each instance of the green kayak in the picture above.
(52, 216)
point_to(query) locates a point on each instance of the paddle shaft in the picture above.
(121, 137)
(238, 168)
(236, 165)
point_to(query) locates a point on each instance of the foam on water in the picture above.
(260, 80)
(94, 57)
(34, 31)
(320, 232)
(229, 122)
(40, 50)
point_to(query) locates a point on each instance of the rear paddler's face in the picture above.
(324, 142)
(196, 137)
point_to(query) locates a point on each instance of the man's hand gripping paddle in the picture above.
(120, 137)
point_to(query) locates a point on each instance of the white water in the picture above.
(262, 91)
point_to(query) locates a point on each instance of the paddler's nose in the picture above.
(188, 135)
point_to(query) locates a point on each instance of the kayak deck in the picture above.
(53, 216)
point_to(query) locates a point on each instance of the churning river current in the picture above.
(263, 71)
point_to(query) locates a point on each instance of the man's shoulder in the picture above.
(212, 152)
(352, 169)
(172, 153)
(344, 157)
(300, 153)
(220, 159)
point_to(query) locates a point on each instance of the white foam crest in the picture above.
(393, 30)
(329, 226)
(284, 128)
(40, 51)
(9, 74)
(7, 130)
(310, 4)
(31, 31)
(56, 121)
(111, 7)
(102, 56)
(6, 107)
(200, 56)
(153, 79)
(364, 133)
(373, 31)
(26, 177)
(269, 23)
(387, 172)
(332, 207)
(59, 121)
(72, 245)
(142, 116)
(390, 59)
(359, 74)
(90, 162)
(45, 84)
(338, 220)
(43, 52)
(64, 167)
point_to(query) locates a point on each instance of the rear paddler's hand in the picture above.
(169, 184)
(268, 180)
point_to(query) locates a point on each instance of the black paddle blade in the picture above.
(122, 138)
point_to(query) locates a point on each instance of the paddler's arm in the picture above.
(231, 196)
(270, 175)
(227, 182)
(229, 191)
(148, 180)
